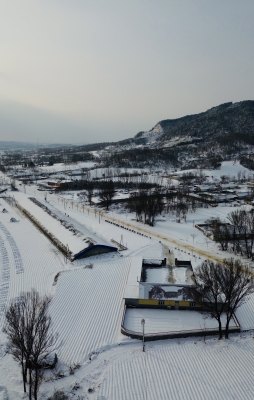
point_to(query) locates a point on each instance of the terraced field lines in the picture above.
(87, 308)
(5, 279)
(181, 371)
(15, 251)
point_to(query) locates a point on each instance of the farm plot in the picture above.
(87, 308)
(180, 370)
(172, 321)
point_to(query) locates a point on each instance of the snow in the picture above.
(58, 167)
(132, 287)
(27, 259)
(94, 221)
(51, 224)
(88, 305)
(181, 276)
(87, 308)
(245, 313)
(169, 321)
(184, 237)
(157, 275)
(179, 370)
(231, 169)
(177, 275)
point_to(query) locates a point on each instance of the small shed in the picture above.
(183, 263)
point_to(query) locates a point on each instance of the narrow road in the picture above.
(137, 227)
(166, 239)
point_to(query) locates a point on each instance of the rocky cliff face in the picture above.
(202, 140)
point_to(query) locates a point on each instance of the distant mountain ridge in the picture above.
(13, 145)
(203, 140)
(225, 119)
(16, 145)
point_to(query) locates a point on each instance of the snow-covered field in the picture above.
(179, 370)
(87, 306)
(58, 167)
(232, 169)
(173, 321)
(157, 275)
(28, 259)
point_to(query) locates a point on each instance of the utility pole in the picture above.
(143, 328)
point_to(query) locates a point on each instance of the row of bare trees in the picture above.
(238, 235)
(147, 204)
(30, 338)
(179, 205)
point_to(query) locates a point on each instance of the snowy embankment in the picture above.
(51, 224)
(88, 306)
(93, 220)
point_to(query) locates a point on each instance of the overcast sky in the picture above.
(85, 71)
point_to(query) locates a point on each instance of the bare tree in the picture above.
(223, 288)
(147, 204)
(15, 330)
(221, 233)
(107, 193)
(90, 190)
(237, 284)
(243, 238)
(208, 290)
(30, 337)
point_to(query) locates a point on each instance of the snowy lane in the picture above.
(167, 239)
(87, 308)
